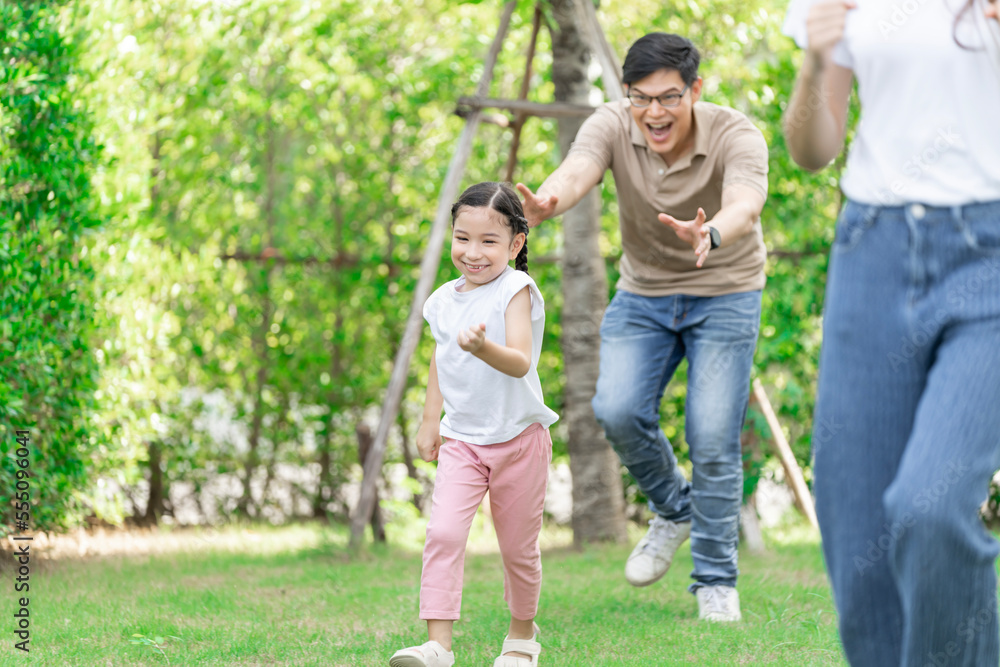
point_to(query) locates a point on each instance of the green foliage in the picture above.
(48, 371)
(269, 170)
(266, 250)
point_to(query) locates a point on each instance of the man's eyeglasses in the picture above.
(668, 101)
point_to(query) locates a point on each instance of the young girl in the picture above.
(487, 326)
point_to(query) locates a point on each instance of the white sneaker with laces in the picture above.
(718, 604)
(651, 558)
(431, 654)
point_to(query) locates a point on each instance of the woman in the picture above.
(907, 425)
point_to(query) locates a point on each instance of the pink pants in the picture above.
(516, 474)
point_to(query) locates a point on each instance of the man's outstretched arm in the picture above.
(562, 190)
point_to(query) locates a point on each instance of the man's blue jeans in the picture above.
(643, 339)
(907, 433)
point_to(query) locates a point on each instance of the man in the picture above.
(689, 175)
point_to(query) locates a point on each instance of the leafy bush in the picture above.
(47, 368)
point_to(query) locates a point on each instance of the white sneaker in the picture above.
(651, 558)
(431, 654)
(719, 604)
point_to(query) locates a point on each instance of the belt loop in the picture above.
(956, 215)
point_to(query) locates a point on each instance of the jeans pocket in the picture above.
(853, 222)
(981, 232)
(744, 304)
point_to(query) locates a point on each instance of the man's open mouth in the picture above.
(660, 131)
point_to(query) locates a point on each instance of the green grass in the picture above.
(294, 596)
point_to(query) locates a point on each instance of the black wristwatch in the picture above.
(713, 234)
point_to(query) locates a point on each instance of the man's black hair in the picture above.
(660, 50)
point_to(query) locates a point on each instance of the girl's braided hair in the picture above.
(503, 199)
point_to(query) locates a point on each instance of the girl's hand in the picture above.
(429, 440)
(472, 338)
(694, 232)
(993, 10)
(825, 27)
(536, 208)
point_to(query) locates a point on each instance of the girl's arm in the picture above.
(816, 118)
(429, 434)
(514, 358)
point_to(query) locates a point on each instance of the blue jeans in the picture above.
(643, 339)
(907, 433)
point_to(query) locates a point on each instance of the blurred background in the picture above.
(212, 215)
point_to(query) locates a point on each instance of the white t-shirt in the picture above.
(482, 405)
(930, 110)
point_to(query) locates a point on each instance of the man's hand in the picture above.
(429, 440)
(536, 208)
(472, 338)
(694, 232)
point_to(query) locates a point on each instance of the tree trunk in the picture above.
(323, 487)
(325, 491)
(411, 468)
(155, 507)
(256, 426)
(364, 444)
(270, 468)
(598, 503)
(259, 341)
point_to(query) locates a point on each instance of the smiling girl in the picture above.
(487, 326)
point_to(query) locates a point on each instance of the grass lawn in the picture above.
(294, 596)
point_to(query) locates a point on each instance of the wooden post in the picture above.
(364, 445)
(536, 23)
(428, 274)
(538, 109)
(610, 68)
(793, 473)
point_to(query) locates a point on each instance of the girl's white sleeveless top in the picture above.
(482, 405)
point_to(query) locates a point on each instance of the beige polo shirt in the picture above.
(727, 149)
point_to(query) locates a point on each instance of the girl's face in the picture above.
(482, 245)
